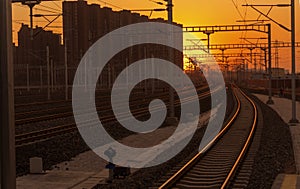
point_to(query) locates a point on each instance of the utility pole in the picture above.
(265, 59)
(48, 73)
(293, 44)
(294, 118)
(52, 75)
(7, 122)
(66, 70)
(251, 60)
(170, 11)
(270, 100)
(30, 4)
(27, 77)
(172, 118)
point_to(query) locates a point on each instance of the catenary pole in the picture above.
(171, 91)
(294, 119)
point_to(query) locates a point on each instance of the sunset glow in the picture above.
(188, 13)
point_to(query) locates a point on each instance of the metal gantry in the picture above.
(227, 28)
(262, 28)
(229, 55)
(241, 46)
(223, 58)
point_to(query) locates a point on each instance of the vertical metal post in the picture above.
(153, 75)
(7, 122)
(270, 101)
(27, 77)
(226, 69)
(208, 32)
(140, 75)
(266, 67)
(31, 21)
(109, 75)
(66, 70)
(145, 81)
(223, 56)
(48, 72)
(41, 78)
(171, 91)
(251, 60)
(255, 63)
(170, 11)
(244, 69)
(52, 75)
(127, 75)
(294, 118)
(208, 42)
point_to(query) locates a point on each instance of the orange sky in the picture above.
(189, 13)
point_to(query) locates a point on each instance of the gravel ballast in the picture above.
(275, 154)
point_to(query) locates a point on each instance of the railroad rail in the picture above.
(45, 134)
(216, 164)
(65, 110)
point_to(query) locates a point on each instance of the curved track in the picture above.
(216, 164)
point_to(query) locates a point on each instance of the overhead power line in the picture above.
(45, 10)
(237, 8)
(56, 5)
(106, 3)
(54, 9)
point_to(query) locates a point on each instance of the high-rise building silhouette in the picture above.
(84, 24)
(32, 50)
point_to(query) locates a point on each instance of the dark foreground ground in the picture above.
(275, 154)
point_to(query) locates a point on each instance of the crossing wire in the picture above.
(115, 6)
(56, 5)
(54, 9)
(237, 8)
(244, 34)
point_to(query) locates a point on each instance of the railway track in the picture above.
(45, 134)
(64, 109)
(216, 164)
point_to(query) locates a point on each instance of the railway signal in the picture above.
(263, 28)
